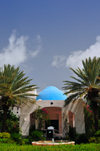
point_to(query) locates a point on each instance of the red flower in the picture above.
(45, 111)
(88, 109)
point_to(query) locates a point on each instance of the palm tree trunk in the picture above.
(5, 111)
(96, 120)
(5, 108)
(95, 114)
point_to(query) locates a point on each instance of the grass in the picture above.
(82, 147)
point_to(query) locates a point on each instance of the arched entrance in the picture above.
(55, 118)
(54, 115)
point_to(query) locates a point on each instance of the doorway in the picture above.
(54, 123)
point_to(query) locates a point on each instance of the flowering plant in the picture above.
(45, 111)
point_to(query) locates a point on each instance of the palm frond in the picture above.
(14, 84)
(85, 81)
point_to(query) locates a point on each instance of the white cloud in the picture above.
(17, 52)
(39, 46)
(75, 59)
(39, 38)
(59, 61)
(35, 53)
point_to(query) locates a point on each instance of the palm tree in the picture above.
(15, 89)
(86, 85)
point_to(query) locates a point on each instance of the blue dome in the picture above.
(51, 93)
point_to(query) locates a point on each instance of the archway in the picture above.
(54, 115)
(55, 118)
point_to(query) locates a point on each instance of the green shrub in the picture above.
(31, 129)
(26, 141)
(0, 135)
(37, 135)
(6, 140)
(12, 123)
(94, 140)
(5, 135)
(17, 137)
(78, 138)
(89, 122)
(98, 140)
(72, 133)
(97, 134)
(81, 138)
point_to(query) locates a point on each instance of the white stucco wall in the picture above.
(29, 108)
(76, 108)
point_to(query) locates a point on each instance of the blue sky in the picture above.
(46, 37)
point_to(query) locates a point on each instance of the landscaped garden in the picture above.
(14, 88)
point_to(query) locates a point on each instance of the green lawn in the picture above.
(83, 147)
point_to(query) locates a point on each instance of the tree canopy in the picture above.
(85, 85)
(15, 88)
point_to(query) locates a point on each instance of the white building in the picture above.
(52, 100)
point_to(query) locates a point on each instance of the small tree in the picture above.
(15, 89)
(41, 115)
(12, 123)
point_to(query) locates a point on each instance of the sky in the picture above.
(47, 37)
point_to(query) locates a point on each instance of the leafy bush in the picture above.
(6, 140)
(17, 138)
(5, 135)
(41, 115)
(78, 138)
(94, 140)
(97, 133)
(81, 138)
(26, 141)
(13, 138)
(12, 123)
(89, 122)
(72, 133)
(0, 135)
(37, 135)
(98, 140)
(32, 128)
